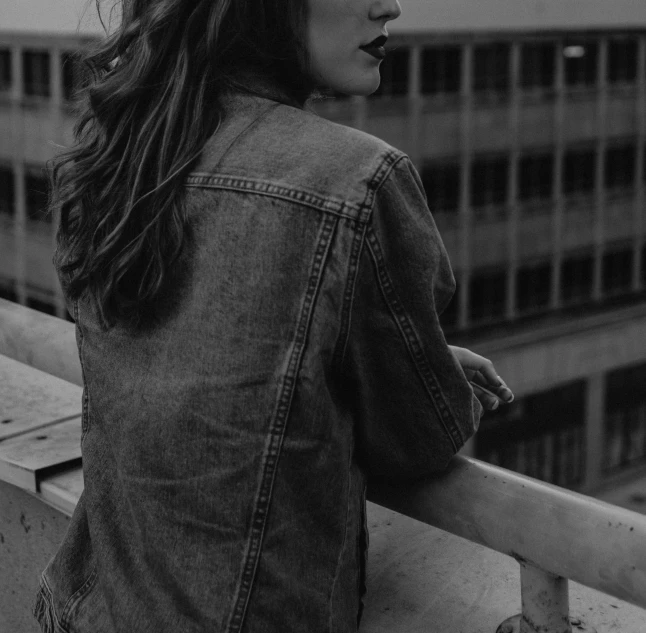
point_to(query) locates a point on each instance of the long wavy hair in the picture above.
(151, 101)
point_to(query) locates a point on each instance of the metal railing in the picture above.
(553, 533)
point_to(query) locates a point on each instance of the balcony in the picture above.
(466, 551)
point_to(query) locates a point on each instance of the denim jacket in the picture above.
(297, 357)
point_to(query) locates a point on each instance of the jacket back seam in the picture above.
(276, 432)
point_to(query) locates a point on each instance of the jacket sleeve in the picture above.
(413, 407)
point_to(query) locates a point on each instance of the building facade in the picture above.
(531, 147)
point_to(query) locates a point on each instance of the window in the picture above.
(74, 74)
(491, 68)
(579, 171)
(617, 272)
(7, 290)
(535, 177)
(620, 167)
(541, 435)
(625, 417)
(36, 192)
(533, 286)
(622, 61)
(5, 70)
(487, 296)
(489, 181)
(537, 66)
(581, 59)
(441, 70)
(442, 185)
(394, 73)
(577, 278)
(36, 71)
(7, 201)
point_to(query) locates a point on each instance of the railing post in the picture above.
(545, 603)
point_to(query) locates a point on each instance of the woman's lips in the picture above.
(376, 51)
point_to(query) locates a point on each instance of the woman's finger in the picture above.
(487, 399)
(498, 388)
(482, 371)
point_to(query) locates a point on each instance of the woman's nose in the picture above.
(388, 9)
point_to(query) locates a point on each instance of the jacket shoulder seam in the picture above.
(381, 174)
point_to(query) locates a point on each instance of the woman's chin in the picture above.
(362, 86)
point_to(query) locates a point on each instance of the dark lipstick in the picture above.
(376, 47)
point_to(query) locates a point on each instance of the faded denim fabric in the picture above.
(297, 355)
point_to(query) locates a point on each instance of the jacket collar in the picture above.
(255, 84)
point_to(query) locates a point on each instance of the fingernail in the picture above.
(501, 382)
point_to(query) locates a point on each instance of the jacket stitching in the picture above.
(348, 298)
(76, 598)
(380, 176)
(261, 187)
(47, 597)
(276, 433)
(412, 341)
(62, 624)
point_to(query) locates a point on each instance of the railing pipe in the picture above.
(559, 531)
(545, 600)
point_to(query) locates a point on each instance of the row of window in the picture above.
(535, 176)
(36, 68)
(441, 67)
(488, 288)
(441, 180)
(542, 435)
(625, 419)
(36, 193)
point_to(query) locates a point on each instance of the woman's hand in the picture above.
(482, 375)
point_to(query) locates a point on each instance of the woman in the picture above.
(256, 294)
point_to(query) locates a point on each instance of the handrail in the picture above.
(563, 532)
(556, 532)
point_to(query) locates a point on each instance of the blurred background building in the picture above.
(526, 120)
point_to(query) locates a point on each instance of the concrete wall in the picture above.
(30, 533)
